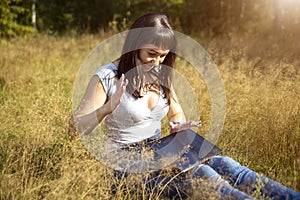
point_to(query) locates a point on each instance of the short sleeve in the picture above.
(107, 76)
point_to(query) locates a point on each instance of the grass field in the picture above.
(37, 159)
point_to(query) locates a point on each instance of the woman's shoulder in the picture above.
(107, 71)
(107, 75)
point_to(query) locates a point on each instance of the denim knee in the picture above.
(234, 172)
(205, 172)
(215, 182)
(224, 165)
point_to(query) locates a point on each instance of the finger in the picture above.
(174, 129)
(122, 85)
(171, 125)
(125, 83)
(187, 125)
(196, 123)
(121, 81)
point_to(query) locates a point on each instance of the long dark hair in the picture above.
(151, 28)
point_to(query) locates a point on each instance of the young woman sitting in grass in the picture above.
(133, 94)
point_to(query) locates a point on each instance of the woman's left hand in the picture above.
(177, 126)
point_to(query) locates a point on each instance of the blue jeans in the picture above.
(226, 173)
(225, 176)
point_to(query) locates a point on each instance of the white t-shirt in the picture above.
(132, 121)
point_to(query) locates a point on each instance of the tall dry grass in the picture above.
(37, 159)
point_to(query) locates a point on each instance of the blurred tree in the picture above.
(221, 16)
(33, 14)
(54, 16)
(203, 14)
(13, 18)
(93, 15)
(188, 16)
(126, 11)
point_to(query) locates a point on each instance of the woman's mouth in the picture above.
(147, 67)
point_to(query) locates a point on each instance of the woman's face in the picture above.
(151, 56)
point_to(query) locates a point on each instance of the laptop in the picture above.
(186, 148)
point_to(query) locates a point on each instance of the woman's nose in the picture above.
(155, 61)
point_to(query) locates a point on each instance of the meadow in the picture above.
(261, 77)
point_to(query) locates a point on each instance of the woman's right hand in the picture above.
(177, 126)
(115, 99)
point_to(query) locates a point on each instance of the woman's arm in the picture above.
(94, 106)
(175, 113)
(177, 119)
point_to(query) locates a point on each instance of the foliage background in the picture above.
(254, 44)
(218, 16)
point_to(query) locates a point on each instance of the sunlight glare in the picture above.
(290, 2)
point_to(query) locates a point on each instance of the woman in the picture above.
(133, 94)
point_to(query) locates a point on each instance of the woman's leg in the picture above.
(206, 173)
(164, 184)
(247, 180)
